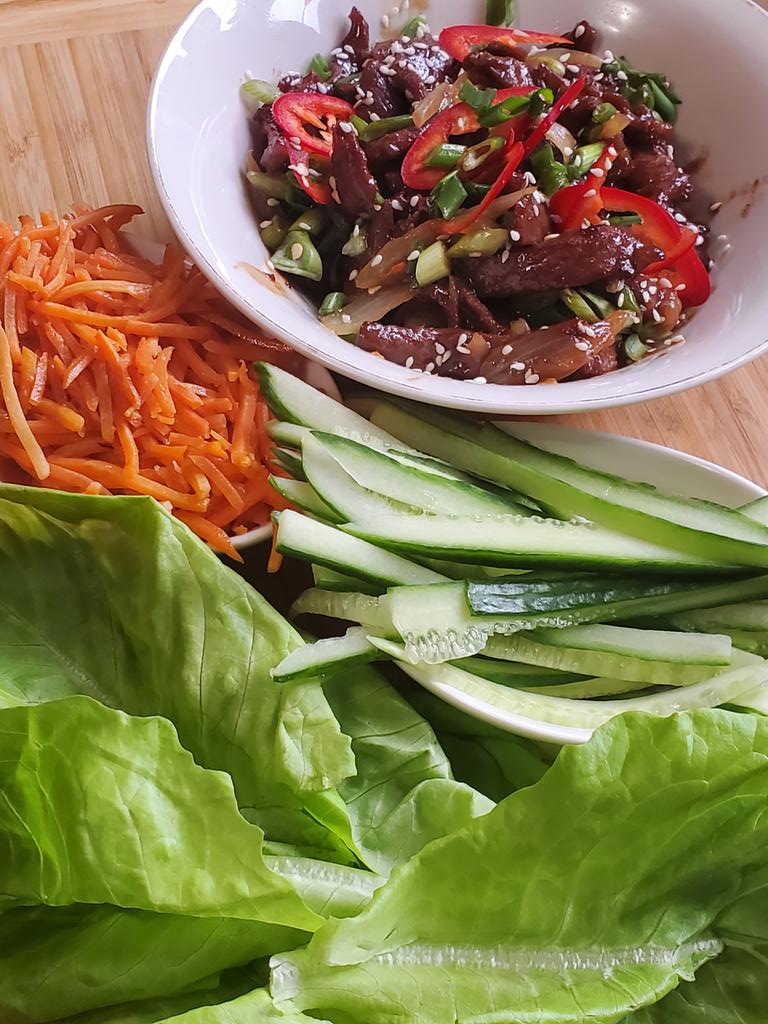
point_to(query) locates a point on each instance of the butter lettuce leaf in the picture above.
(586, 896)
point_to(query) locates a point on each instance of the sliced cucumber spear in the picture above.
(304, 496)
(700, 528)
(324, 658)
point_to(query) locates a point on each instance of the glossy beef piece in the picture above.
(381, 228)
(447, 351)
(473, 311)
(311, 82)
(358, 37)
(378, 95)
(650, 296)
(531, 220)
(601, 362)
(657, 176)
(584, 37)
(646, 132)
(496, 71)
(390, 147)
(548, 354)
(355, 184)
(416, 74)
(622, 163)
(571, 260)
(269, 148)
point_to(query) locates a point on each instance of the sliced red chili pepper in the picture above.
(297, 112)
(693, 274)
(458, 119)
(514, 157)
(458, 40)
(583, 201)
(317, 188)
(560, 105)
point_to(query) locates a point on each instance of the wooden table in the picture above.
(74, 77)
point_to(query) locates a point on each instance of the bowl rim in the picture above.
(470, 397)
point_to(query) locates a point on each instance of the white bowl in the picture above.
(669, 470)
(715, 53)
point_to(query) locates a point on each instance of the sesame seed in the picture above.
(579, 31)
(506, 350)
(460, 123)
(312, 173)
(413, 255)
(564, 58)
(715, 207)
(530, 179)
(377, 260)
(722, 238)
(598, 77)
(656, 316)
(301, 169)
(665, 282)
(384, 21)
(479, 380)
(612, 152)
(514, 235)
(409, 362)
(646, 295)
(620, 302)
(387, 71)
(352, 275)
(463, 339)
(410, 50)
(726, 248)
(265, 223)
(396, 204)
(517, 366)
(531, 377)
(348, 49)
(590, 192)
(598, 172)
(377, 207)
(440, 349)
(429, 368)
(573, 68)
(582, 346)
(389, 59)
(573, 105)
(586, 329)
(567, 150)
(273, 202)
(681, 218)
(376, 288)
(676, 339)
(346, 318)
(375, 116)
(414, 200)
(464, 351)
(700, 240)
(505, 256)
(680, 288)
(653, 290)
(552, 235)
(608, 57)
(295, 140)
(346, 126)
(297, 251)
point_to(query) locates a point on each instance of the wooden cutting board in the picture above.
(74, 78)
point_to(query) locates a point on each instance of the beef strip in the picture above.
(573, 259)
(531, 220)
(584, 37)
(418, 73)
(390, 147)
(657, 176)
(269, 148)
(448, 351)
(311, 82)
(358, 37)
(381, 228)
(647, 132)
(496, 71)
(379, 97)
(601, 362)
(355, 184)
(473, 311)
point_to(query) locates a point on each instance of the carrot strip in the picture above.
(217, 479)
(213, 535)
(27, 376)
(104, 397)
(68, 418)
(28, 440)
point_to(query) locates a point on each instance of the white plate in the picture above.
(669, 470)
(714, 52)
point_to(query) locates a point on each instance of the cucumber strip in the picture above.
(290, 461)
(698, 527)
(316, 542)
(456, 571)
(438, 468)
(596, 663)
(525, 595)
(323, 658)
(534, 715)
(291, 399)
(756, 510)
(747, 616)
(643, 644)
(304, 496)
(359, 608)
(509, 673)
(329, 579)
(289, 435)
(521, 542)
(426, 490)
(587, 689)
(339, 490)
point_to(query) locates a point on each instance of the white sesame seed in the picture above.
(387, 71)
(375, 116)
(479, 380)
(646, 295)
(564, 58)
(506, 350)
(722, 238)
(265, 223)
(409, 362)
(582, 346)
(389, 59)
(312, 173)
(463, 339)
(726, 248)
(413, 255)
(676, 339)
(273, 202)
(590, 192)
(608, 57)
(584, 328)
(598, 77)
(397, 205)
(377, 260)
(548, 238)
(514, 235)
(295, 140)
(346, 126)
(346, 318)
(579, 31)
(573, 68)
(414, 200)
(377, 207)
(429, 368)
(460, 123)
(463, 349)
(348, 49)
(505, 256)
(517, 366)
(567, 150)
(665, 282)
(440, 349)
(352, 275)
(531, 377)
(620, 301)
(297, 251)
(700, 240)
(384, 21)
(715, 207)
(622, 76)
(681, 218)
(653, 290)
(598, 172)
(680, 288)
(656, 315)
(530, 179)
(573, 105)
(376, 288)
(302, 170)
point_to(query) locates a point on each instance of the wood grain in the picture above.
(74, 78)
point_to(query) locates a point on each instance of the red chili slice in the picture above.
(458, 40)
(560, 105)
(515, 153)
(459, 119)
(297, 112)
(574, 204)
(317, 188)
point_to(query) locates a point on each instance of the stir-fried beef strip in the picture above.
(356, 187)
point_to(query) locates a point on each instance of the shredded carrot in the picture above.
(122, 376)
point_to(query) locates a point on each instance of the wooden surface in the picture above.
(74, 77)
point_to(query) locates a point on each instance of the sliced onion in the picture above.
(366, 307)
(443, 95)
(562, 139)
(502, 205)
(397, 250)
(584, 60)
(614, 125)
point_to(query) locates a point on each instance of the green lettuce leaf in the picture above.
(404, 794)
(100, 807)
(113, 598)
(254, 1008)
(586, 896)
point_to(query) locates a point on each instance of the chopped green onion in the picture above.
(554, 65)
(662, 103)
(485, 241)
(503, 111)
(375, 129)
(585, 157)
(619, 220)
(480, 152)
(500, 12)
(602, 306)
(432, 264)
(332, 303)
(413, 26)
(358, 124)
(478, 99)
(357, 243)
(447, 155)
(273, 185)
(604, 113)
(256, 93)
(634, 349)
(475, 191)
(297, 197)
(449, 195)
(540, 102)
(628, 302)
(274, 232)
(319, 66)
(312, 221)
(578, 305)
(551, 175)
(297, 255)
